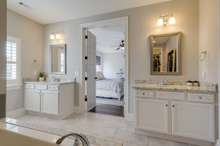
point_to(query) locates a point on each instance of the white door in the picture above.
(193, 120)
(49, 102)
(32, 100)
(152, 115)
(91, 70)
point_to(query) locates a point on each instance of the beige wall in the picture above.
(208, 40)
(142, 23)
(32, 38)
(31, 35)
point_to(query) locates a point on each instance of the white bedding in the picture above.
(112, 88)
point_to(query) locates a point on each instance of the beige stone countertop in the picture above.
(203, 88)
(49, 83)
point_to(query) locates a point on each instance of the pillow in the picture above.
(100, 76)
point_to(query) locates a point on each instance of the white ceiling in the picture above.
(108, 38)
(51, 11)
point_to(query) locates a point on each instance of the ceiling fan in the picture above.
(121, 46)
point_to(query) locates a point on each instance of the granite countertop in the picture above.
(203, 88)
(49, 83)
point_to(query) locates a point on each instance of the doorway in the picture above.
(105, 65)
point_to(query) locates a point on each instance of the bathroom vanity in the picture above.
(52, 98)
(177, 111)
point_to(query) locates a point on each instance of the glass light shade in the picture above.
(52, 36)
(172, 21)
(160, 22)
(58, 36)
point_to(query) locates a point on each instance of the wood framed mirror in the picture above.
(165, 54)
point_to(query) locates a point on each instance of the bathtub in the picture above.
(12, 135)
(9, 138)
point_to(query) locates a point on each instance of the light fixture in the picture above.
(166, 19)
(52, 36)
(172, 20)
(160, 22)
(58, 36)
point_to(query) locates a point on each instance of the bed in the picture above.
(110, 88)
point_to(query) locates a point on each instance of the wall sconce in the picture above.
(165, 20)
(55, 36)
(52, 37)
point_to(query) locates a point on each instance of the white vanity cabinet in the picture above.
(194, 120)
(186, 114)
(50, 102)
(32, 99)
(152, 115)
(53, 99)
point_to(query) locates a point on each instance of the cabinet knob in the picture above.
(173, 106)
(200, 97)
(166, 105)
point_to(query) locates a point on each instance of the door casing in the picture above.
(82, 101)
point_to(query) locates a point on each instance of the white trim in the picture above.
(13, 87)
(97, 24)
(217, 143)
(130, 117)
(15, 113)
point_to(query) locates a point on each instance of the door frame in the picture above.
(127, 79)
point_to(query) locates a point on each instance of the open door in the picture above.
(90, 69)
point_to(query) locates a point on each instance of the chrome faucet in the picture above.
(79, 137)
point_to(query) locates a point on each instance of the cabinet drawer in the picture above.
(145, 93)
(53, 87)
(170, 95)
(41, 87)
(205, 98)
(29, 86)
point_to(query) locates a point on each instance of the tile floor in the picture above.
(107, 127)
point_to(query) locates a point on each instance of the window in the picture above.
(98, 64)
(12, 59)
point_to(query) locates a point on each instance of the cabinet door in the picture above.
(193, 120)
(32, 100)
(49, 103)
(152, 115)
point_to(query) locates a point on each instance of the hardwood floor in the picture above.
(109, 110)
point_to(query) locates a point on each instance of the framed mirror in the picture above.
(166, 54)
(58, 59)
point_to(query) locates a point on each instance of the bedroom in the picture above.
(110, 67)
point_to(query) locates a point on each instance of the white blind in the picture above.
(11, 60)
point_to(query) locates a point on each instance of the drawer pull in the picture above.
(143, 93)
(200, 97)
(166, 105)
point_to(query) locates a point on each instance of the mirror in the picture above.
(166, 54)
(58, 58)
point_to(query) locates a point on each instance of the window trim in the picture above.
(18, 82)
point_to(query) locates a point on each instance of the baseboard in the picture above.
(16, 113)
(77, 110)
(130, 117)
(218, 142)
